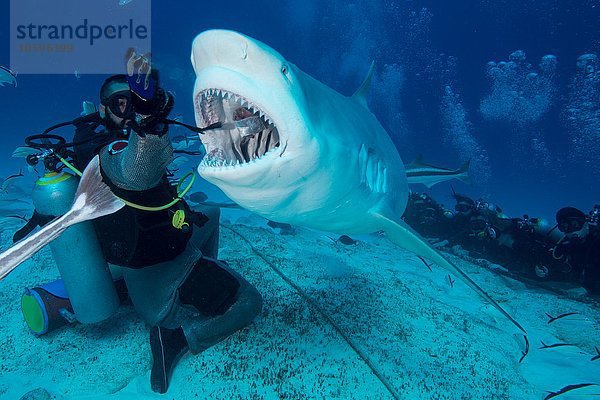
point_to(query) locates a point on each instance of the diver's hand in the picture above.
(151, 103)
(143, 82)
(153, 123)
(140, 75)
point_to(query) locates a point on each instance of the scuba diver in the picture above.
(529, 247)
(427, 216)
(522, 245)
(525, 248)
(472, 223)
(165, 252)
(580, 247)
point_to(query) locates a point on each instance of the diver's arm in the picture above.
(141, 165)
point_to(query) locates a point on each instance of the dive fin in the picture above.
(93, 199)
(362, 92)
(404, 236)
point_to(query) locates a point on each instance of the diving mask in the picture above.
(119, 103)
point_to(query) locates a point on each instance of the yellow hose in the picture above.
(138, 206)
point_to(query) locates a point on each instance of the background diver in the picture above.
(529, 247)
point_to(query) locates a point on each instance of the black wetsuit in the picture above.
(583, 255)
(131, 237)
(591, 266)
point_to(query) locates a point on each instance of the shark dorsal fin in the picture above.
(362, 92)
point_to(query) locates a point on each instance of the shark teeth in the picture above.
(247, 133)
(226, 95)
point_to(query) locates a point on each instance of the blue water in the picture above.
(512, 85)
(525, 156)
(533, 141)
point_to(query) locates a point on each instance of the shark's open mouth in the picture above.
(246, 134)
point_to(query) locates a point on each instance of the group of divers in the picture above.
(531, 249)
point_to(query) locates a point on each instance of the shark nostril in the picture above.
(244, 50)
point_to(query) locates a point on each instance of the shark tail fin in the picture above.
(464, 172)
(362, 92)
(405, 237)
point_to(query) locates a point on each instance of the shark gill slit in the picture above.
(372, 171)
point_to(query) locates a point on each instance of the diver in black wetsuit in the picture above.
(427, 216)
(189, 298)
(523, 245)
(475, 224)
(580, 248)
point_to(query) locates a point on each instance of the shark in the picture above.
(293, 150)
(429, 175)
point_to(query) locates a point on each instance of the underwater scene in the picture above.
(300, 200)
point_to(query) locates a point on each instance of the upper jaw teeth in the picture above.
(246, 133)
(212, 94)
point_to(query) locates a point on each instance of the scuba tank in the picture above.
(86, 290)
(545, 228)
(46, 307)
(77, 253)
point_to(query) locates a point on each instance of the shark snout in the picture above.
(223, 47)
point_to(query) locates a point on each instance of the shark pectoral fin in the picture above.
(404, 236)
(362, 92)
(464, 172)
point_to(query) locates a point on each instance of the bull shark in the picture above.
(429, 175)
(294, 150)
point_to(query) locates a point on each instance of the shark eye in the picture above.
(284, 69)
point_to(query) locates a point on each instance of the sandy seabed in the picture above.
(364, 321)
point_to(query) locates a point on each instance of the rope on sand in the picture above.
(322, 312)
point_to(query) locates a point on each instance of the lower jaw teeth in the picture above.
(214, 160)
